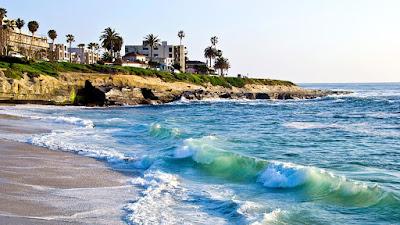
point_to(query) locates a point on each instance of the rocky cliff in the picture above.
(99, 89)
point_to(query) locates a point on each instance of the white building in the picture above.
(59, 52)
(84, 56)
(166, 55)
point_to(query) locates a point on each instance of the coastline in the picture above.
(96, 89)
(39, 185)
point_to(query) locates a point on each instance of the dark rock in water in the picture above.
(148, 94)
(90, 96)
(284, 96)
(225, 95)
(249, 96)
(262, 96)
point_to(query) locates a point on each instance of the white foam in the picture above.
(308, 125)
(27, 112)
(162, 192)
(194, 147)
(283, 175)
(117, 120)
(271, 217)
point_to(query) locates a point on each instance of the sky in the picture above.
(305, 41)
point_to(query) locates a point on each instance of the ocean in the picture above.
(331, 160)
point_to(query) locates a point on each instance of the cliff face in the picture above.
(70, 88)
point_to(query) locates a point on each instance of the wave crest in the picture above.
(312, 182)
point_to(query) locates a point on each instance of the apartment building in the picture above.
(165, 54)
(84, 56)
(36, 46)
(60, 52)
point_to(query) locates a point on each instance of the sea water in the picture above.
(331, 160)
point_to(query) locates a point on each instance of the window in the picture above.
(145, 48)
(155, 55)
(170, 55)
(170, 49)
(156, 48)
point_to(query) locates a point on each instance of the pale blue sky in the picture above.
(298, 40)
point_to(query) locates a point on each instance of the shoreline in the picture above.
(42, 186)
(96, 89)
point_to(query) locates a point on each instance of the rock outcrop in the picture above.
(104, 89)
(89, 96)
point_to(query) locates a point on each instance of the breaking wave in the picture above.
(313, 183)
(157, 130)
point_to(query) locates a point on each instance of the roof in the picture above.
(195, 62)
(133, 54)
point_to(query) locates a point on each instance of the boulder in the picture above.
(262, 96)
(148, 94)
(90, 96)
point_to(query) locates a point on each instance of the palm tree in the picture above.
(3, 13)
(82, 48)
(70, 39)
(7, 26)
(91, 45)
(117, 46)
(210, 53)
(222, 64)
(33, 26)
(20, 23)
(181, 35)
(214, 41)
(109, 38)
(52, 35)
(152, 41)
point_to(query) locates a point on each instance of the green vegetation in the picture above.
(15, 69)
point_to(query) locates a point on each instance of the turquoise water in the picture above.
(333, 160)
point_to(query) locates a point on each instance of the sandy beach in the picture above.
(40, 186)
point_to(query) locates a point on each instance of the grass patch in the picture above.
(16, 68)
(14, 74)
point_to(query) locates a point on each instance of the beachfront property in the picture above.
(23, 43)
(196, 66)
(164, 54)
(14, 42)
(135, 60)
(84, 55)
(61, 53)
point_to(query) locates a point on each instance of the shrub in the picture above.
(14, 74)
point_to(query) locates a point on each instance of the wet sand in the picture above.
(40, 186)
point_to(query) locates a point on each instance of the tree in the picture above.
(20, 23)
(181, 35)
(210, 53)
(70, 39)
(52, 35)
(3, 13)
(222, 64)
(152, 41)
(33, 26)
(7, 27)
(91, 46)
(109, 38)
(117, 46)
(106, 57)
(214, 41)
